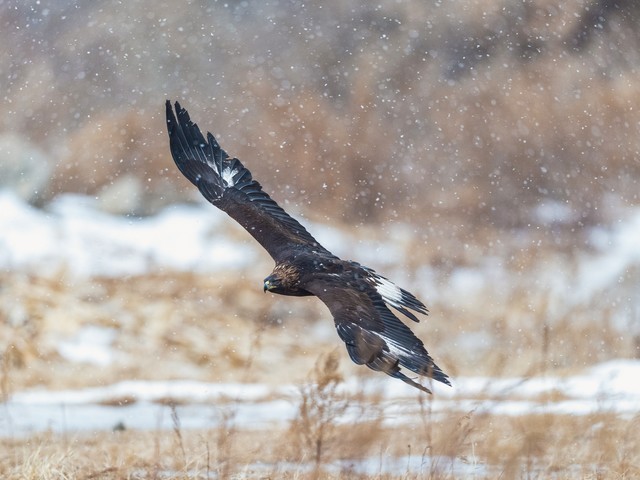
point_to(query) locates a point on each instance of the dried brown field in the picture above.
(177, 325)
(224, 328)
(597, 446)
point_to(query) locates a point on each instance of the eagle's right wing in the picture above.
(228, 185)
(374, 336)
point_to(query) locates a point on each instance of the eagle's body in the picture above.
(357, 297)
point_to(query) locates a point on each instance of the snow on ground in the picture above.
(92, 344)
(72, 233)
(619, 252)
(424, 465)
(609, 387)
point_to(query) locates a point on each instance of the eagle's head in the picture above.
(285, 280)
(273, 283)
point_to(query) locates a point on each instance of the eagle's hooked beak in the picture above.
(270, 283)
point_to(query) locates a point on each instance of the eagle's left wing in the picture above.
(374, 336)
(227, 184)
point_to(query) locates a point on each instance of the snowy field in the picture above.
(612, 387)
(72, 235)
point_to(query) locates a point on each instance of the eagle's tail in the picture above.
(202, 161)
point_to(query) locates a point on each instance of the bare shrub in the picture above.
(321, 404)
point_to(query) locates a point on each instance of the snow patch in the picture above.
(92, 344)
(73, 234)
(608, 387)
(619, 255)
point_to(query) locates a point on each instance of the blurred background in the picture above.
(493, 114)
(483, 154)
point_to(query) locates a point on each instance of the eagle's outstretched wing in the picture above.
(374, 336)
(228, 185)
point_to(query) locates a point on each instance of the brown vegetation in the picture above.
(477, 113)
(189, 326)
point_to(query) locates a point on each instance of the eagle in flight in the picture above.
(357, 297)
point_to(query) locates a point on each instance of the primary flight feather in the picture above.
(357, 297)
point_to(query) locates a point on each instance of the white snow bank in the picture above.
(619, 253)
(609, 387)
(616, 378)
(73, 234)
(91, 344)
(178, 391)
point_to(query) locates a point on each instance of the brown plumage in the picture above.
(357, 297)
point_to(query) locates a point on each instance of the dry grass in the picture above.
(177, 325)
(598, 446)
(184, 325)
(172, 325)
(316, 435)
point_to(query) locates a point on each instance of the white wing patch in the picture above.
(227, 176)
(395, 296)
(390, 292)
(395, 348)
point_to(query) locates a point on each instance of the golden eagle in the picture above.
(357, 297)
